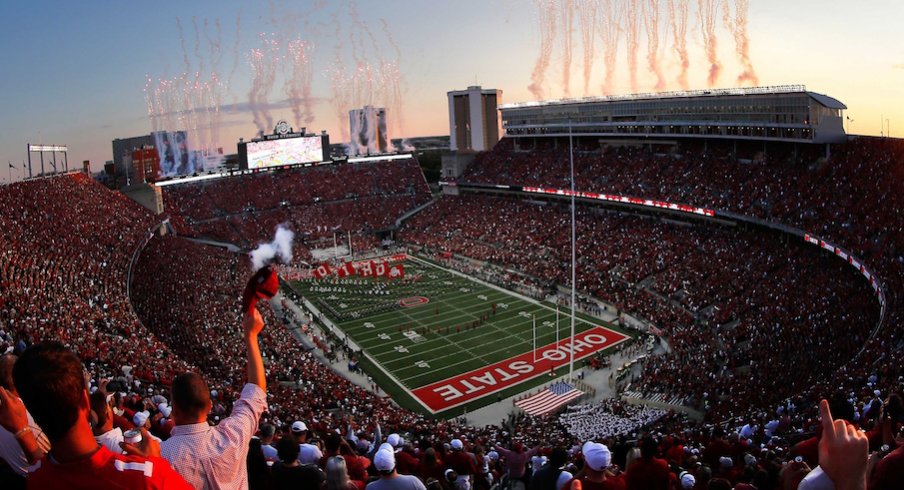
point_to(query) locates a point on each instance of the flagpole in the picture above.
(335, 248)
(573, 253)
(557, 324)
(351, 255)
(10, 171)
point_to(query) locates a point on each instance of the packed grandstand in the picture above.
(760, 324)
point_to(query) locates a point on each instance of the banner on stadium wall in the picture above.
(377, 267)
(622, 199)
(850, 259)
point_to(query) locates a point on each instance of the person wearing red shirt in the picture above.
(462, 463)
(51, 383)
(648, 472)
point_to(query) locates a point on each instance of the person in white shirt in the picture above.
(102, 422)
(215, 457)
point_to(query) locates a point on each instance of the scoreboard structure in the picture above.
(283, 148)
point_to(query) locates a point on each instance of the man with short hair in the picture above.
(648, 472)
(390, 479)
(216, 457)
(270, 453)
(51, 382)
(104, 433)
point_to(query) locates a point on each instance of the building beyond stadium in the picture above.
(784, 114)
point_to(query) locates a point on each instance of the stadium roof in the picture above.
(825, 100)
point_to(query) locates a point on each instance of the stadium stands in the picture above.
(760, 327)
(316, 202)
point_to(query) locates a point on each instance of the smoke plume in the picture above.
(738, 28)
(707, 10)
(548, 16)
(678, 13)
(280, 248)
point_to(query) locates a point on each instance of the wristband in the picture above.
(22, 431)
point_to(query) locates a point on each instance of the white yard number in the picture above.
(447, 283)
(482, 297)
(401, 349)
(343, 305)
(464, 290)
(504, 306)
(383, 336)
(369, 325)
(524, 314)
(422, 364)
(548, 323)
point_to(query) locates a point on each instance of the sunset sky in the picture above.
(76, 72)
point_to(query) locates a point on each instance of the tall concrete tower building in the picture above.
(474, 120)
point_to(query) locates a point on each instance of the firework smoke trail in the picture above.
(263, 62)
(632, 37)
(567, 44)
(547, 21)
(651, 25)
(182, 44)
(298, 85)
(339, 83)
(678, 14)
(149, 101)
(395, 83)
(738, 28)
(235, 53)
(587, 15)
(610, 33)
(706, 12)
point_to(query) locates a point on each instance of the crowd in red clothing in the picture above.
(720, 294)
(315, 202)
(754, 355)
(65, 248)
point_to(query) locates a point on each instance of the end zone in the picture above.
(467, 387)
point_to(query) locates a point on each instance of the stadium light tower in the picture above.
(573, 254)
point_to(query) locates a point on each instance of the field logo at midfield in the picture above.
(413, 301)
(479, 383)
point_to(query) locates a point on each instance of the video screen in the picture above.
(289, 151)
(175, 156)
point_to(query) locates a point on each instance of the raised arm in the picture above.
(253, 324)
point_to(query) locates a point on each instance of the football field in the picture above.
(439, 341)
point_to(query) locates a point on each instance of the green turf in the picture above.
(366, 309)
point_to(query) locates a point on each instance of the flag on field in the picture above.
(346, 270)
(381, 269)
(551, 398)
(396, 272)
(322, 271)
(366, 269)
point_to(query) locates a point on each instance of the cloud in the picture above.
(245, 107)
(899, 66)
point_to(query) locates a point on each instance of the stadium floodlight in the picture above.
(48, 148)
(52, 149)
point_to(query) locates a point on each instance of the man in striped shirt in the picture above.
(215, 457)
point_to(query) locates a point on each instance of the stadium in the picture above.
(678, 276)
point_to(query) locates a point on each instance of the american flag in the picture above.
(551, 398)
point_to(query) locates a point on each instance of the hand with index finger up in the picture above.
(843, 451)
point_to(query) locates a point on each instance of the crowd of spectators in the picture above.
(718, 293)
(740, 342)
(316, 202)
